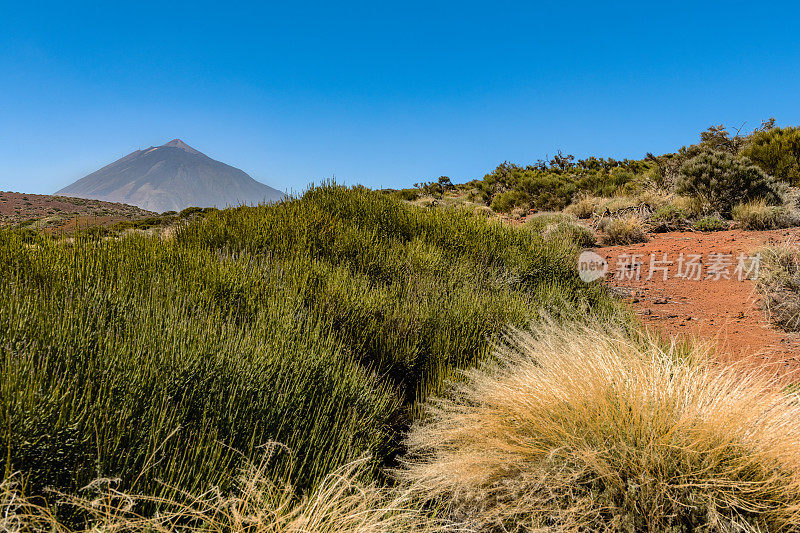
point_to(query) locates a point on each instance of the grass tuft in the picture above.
(563, 228)
(758, 215)
(779, 285)
(711, 223)
(626, 230)
(583, 428)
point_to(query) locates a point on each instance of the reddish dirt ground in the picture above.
(724, 311)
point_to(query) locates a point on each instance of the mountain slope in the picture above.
(171, 177)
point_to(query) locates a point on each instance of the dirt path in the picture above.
(725, 311)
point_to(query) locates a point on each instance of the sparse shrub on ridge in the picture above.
(580, 427)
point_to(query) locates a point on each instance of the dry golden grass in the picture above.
(625, 230)
(341, 504)
(758, 215)
(581, 428)
(691, 206)
(585, 207)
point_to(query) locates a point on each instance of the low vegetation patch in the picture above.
(670, 192)
(341, 503)
(585, 207)
(668, 218)
(319, 323)
(562, 227)
(711, 223)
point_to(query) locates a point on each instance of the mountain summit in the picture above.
(171, 177)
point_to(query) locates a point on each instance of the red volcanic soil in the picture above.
(721, 310)
(56, 212)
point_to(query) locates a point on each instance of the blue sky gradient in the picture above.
(383, 94)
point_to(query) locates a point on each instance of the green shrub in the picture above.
(757, 215)
(505, 202)
(98, 231)
(433, 188)
(721, 181)
(711, 224)
(189, 211)
(777, 152)
(552, 185)
(668, 218)
(551, 192)
(626, 230)
(409, 195)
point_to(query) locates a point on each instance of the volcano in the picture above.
(172, 177)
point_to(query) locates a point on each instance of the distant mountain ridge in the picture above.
(171, 177)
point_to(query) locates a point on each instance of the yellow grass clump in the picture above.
(583, 428)
(624, 230)
(758, 215)
(341, 504)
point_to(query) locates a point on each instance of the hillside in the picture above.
(56, 211)
(172, 177)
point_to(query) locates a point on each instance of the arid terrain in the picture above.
(55, 213)
(725, 311)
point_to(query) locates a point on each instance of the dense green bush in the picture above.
(777, 152)
(317, 323)
(721, 181)
(189, 211)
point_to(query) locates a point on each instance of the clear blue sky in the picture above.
(383, 94)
